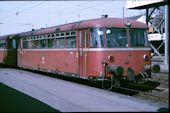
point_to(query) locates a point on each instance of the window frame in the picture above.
(3, 42)
(127, 36)
(104, 42)
(55, 36)
(146, 38)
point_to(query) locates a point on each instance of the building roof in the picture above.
(143, 4)
(134, 17)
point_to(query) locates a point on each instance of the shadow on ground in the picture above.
(12, 100)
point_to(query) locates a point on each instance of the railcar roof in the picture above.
(101, 22)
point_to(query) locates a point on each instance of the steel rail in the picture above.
(138, 91)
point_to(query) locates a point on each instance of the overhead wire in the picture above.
(72, 11)
(10, 10)
(48, 13)
(91, 7)
(76, 10)
(19, 12)
(69, 12)
(32, 7)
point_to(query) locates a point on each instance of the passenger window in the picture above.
(2, 44)
(67, 33)
(50, 43)
(62, 34)
(73, 33)
(9, 43)
(43, 43)
(138, 37)
(13, 43)
(97, 38)
(57, 35)
(25, 44)
(60, 42)
(30, 44)
(116, 37)
(36, 44)
(71, 42)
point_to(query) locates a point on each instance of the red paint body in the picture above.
(135, 59)
(51, 61)
(70, 63)
(82, 60)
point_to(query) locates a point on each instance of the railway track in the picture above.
(156, 89)
(162, 78)
(153, 90)
(155, 95)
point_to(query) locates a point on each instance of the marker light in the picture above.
(110, 58)
(145, 57)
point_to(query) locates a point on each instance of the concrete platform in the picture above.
(67, 96)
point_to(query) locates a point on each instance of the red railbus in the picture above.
(112, 49)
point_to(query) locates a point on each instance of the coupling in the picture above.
(154, 68)
(117, 70)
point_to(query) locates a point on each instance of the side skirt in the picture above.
(53, 71)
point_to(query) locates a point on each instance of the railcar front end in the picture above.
(120, 54)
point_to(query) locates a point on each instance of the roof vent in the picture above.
(104, 16)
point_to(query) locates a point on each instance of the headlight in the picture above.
(110, 58)
(145, 57)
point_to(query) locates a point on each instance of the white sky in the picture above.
(21, 16)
